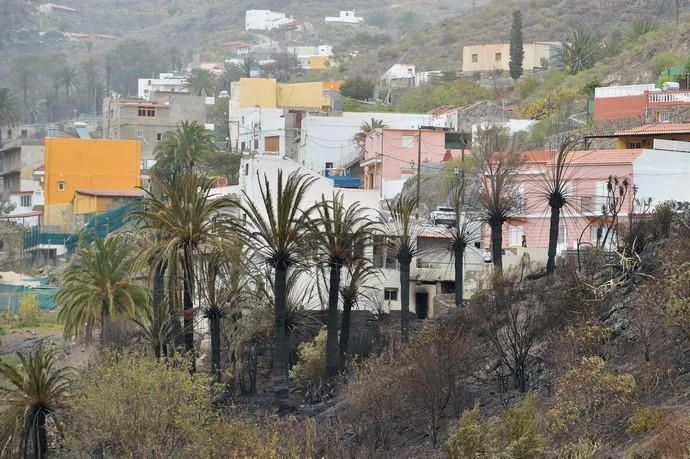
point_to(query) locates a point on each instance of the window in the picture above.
(384, 257)
(635, 145)
(26, 200)
(329, 165)
(246, 169)
(408, 141)
(516, 233)
(519, 199)
(147, 112)
(498, 57)
(244, 146)
(390, 294)
(563, 234)
(159, 136)
(9, 133)
(601, 196)
(140, 133)
(61, 186)
(663, 117)
(475, 58)
(25, 133)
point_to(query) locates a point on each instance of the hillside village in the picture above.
(293, 238)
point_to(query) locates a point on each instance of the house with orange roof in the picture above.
(645, 135)
(652, 175)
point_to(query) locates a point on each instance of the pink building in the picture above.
(587, 177)
(390, 156)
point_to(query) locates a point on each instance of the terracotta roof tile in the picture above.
(653, 129)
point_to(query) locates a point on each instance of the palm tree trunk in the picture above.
(332, 356)
(458, 259)
(41, 440)
(105, 323)
(404, 299)
(214, 323)
(281, 346)
(345, 328)
(158, 295)
(497, 246)
(553, 239)
(188, 303)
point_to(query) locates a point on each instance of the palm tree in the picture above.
(34, 392)
(247, 63)
(365, 129)
(181, 150)
(402, 229)
(231, 72)
(640, 27)
(580, 51)
(360, 272)
(278, 227)
(556, 190)
(10, 113)
(338, 231)
(222, 284)
(498, 197)
(185, 220)
(201, 82)
(461, 234)
(90, 69)
(68, 77)
(96, 287)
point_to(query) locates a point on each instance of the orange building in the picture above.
(77, 169)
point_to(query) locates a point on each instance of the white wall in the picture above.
(331, 138)
(146, 86)
(662, 175)
(261, 123)
(264, 20)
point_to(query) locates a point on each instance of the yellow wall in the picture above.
(266, 93)
(89, 164)
(84, 204)
(258, 91)
(647, 141)
(319, 62)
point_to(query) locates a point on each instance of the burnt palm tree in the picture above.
(339, 231)
(185, 220)
(359, 273)
(33, 392)
(276, 232)
(401, 231)
(557, 191)
(462, 233)
(96, 287)
(498, 196)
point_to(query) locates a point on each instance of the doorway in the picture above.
(421, 304)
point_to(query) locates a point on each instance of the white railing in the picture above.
(668, 96)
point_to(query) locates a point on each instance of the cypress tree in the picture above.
(517, 52)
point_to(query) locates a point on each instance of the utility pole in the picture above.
(419, 167)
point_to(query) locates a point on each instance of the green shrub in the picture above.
(644, 420)
(516, 434)
(28, 310)
(582, 448)
(310, 370)
(134, 406)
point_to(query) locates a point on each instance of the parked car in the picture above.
(442, 214)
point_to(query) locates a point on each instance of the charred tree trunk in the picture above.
(345, 329)
(281, 347)
(459, 253)
(188, 303)
(497, 246)
(553, 239)
(332, 356)
(41, 440)
(405, 297)
(105, 323)
(214, 319)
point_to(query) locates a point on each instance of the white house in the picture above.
(265, 20)
(432, 271)
(328, 141)
(306, 54)
(166, 82)
(23, 212)
(345, 17)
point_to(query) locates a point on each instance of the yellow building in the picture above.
(80, 171)
(267, 93)
(319, 62)
(490, 57)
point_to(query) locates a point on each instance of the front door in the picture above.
(421, 304)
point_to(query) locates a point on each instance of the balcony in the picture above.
(668, 97)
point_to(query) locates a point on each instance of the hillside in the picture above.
(440, 47)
